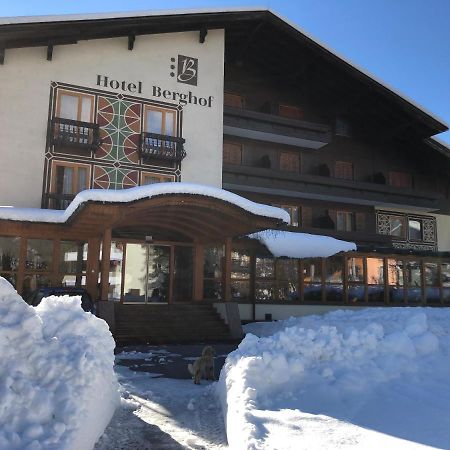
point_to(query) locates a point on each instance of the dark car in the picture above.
(86, 301)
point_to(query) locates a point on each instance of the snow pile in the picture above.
(301, 245)
(364, 379)
(58, 389)
(140, 193)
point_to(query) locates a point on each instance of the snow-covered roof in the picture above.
(301, 245)
(205, 11)
(140, 193)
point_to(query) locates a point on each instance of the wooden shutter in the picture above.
(343, 170)
(290, 162)
(400, 179)
(360, 221)
(233, 100)
(306, 216)
(232, 153)
(290, 112)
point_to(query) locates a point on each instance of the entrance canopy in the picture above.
(164, 211)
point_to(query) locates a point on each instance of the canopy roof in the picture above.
(301, 245)
(172, 211)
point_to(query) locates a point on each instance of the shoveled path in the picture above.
(161, 408)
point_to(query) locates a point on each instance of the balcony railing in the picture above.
(57, 201)
(162, 147)
(73, 133)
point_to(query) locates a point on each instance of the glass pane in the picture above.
(312, 271)
(154, 121)
(264, 291)
(68, 107)
(72, 257)
(375, 273)
(431, 274)
(395, 281)
(413, 273)
(415, 230)
(212, 289)
(446, 295)
(265, 268)
(39, 254)
(396, 225)
(375, 293)
(334, 293)
(135, 273)
(287, 270)
(432, 295)
(355, 293)
(33, 282)
(64, 177)
(9, 253)
(213, 258)
(414, 295)
(240, 264)
(73, 280)
(115, 271)
(355, 270)
(240, 290)
(287, 291)
(82, 179)
(182, 277)
(170, 121)
(333, 267)
(313, 293)
(445, 275)
(86, 108)
(159, 272)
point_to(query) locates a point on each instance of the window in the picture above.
(345, 221)
(343, 170)
(342, 127)
(415, 229)
(293, 212)
(264, 279)
(212, 272)
(290, 162)
(397, 226)
(152, 178)
(233, 100)
(160, 121)
(290, 112)
(72, 263)
(75, 106)
(232, 153)
(400, 179)
(240, 274)
(9, 258)
(67, 180)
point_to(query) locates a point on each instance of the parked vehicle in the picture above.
(86, 301)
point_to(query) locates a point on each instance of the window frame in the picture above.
(79, 96)
(349, 218)
(164, 112)
(164, 178)
(75, 166)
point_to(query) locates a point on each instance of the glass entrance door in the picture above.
(147, 273)
(183, 274)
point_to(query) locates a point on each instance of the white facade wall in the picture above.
(25, 89)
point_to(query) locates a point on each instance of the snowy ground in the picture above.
(377, 378)
(164, 412)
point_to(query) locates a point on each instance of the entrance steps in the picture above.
(163, 323)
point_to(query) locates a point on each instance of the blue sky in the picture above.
(405, 43)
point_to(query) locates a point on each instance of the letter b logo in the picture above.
(187, 72)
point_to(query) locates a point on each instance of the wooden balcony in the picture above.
(162, 147)
(271, 128)
(74, 133)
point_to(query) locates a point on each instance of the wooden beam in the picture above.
(49, 52)
(202, 35)
(106, 257)
(92, 267)
(131, 39)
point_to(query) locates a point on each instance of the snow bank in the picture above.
(301, 245)
(365, 379)
(58, 390)
(140, 193)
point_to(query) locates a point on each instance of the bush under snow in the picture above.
(365, 379)
(58, 389)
